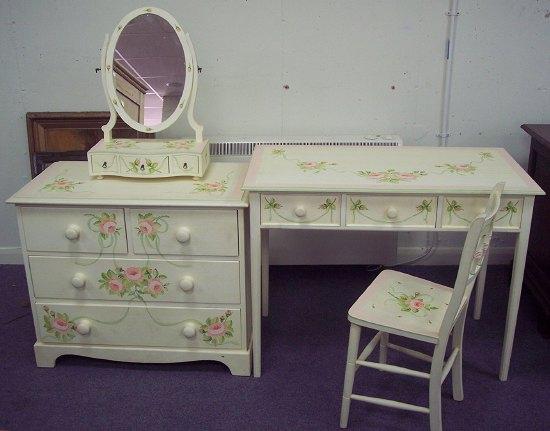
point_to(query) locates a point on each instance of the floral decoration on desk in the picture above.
(217, 186)
(391, 175)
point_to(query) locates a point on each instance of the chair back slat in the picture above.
(473, 255)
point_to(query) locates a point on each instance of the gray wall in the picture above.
(340, 60)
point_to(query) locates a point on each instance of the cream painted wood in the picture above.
(400, 304)
(132, 324)
(68, 230)
(185, 232)
(237, 360)
(149, 158)
(68, 183)
(85, 278)
(387, 172)
(265, 273)
(405, 211)
(459, 211)
(167, 292)
(297, 209)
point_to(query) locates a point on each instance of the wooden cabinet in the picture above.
(537, 271)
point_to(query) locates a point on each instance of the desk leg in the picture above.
(265, 272)
(256, 282)
(520, 254)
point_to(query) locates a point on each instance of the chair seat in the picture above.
(401, 304)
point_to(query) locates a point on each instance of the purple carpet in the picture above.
(304, 351)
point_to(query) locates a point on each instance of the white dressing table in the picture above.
(393, 188)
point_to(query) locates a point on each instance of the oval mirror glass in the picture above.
(148, 76)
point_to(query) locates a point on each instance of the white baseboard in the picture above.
(11, 256)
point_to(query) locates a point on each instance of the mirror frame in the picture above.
(190, 75)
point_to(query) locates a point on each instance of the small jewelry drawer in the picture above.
(104, 164)
(184, 232)
(184, 164)
(459, 211)
(144, 166)
(139, 324)
(74, 230)
(296, 209)
(117, 279)
(391, 210)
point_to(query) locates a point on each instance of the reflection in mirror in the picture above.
(149, 67)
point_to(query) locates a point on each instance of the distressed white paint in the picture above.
(339, 63)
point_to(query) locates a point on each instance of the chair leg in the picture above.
(436, 372)
(353, 348)
(384, 347)
(458, 335)
(480, 287)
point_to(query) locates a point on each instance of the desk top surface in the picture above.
(68, 183)
(457, 170)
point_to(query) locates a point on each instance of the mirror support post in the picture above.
(107, 136)
(198, 128)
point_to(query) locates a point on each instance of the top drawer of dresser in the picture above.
(211, 232)
(74, 230)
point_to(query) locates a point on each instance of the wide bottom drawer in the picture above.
(139, 325)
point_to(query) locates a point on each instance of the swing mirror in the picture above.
(149, 70)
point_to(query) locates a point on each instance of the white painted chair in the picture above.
(400, 304)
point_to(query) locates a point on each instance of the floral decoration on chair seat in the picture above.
(418, 304)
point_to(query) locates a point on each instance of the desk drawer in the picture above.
(139, 325)
(124, 279)
(459, 211)
(399, 211)
(184, 232)
(74, 230)
(296, 209)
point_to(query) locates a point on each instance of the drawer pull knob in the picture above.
(189, 330)
(78, 280)
(183, 234)
(83, 326)
(391, 213)
(300, 211)
(187, 283)
(72, 232)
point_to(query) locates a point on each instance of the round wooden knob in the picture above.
(300, 211)
(72, 232)
(183, 234)
(189, 330)
(78, 280)
(187, 283)
(83, 326)
(391, 213)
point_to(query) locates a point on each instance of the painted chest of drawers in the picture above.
(137, 270)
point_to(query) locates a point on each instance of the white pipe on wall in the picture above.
(445, 111)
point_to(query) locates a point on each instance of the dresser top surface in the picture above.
(464, 170)
(68, 183)
(149, 146)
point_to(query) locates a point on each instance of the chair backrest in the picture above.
(473, 255)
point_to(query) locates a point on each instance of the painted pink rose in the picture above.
(416, 304)
(108, 227)
(310, 165)
(62, 183)
(147, 227)
(155, 286)
(214, 186)
(60, 324)
(216, 329)
(376, 174)
(464, 167)
(133, 273)
(116, 285)
(407, 176)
